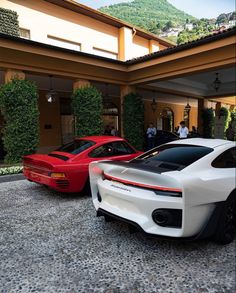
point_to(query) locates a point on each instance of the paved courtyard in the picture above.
(53, 242)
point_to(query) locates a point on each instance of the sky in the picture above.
(197, 8)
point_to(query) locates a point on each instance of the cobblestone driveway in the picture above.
(54, 243)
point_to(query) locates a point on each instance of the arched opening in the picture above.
(168, 119)
(110, 116)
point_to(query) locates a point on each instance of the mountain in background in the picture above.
(162, 18)
(150, 15)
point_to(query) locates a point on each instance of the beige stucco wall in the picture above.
(177, 109)
(140, 47)
(44, 19)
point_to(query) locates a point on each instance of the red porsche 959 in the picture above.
(66, 169)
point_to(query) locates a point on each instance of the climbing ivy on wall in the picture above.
(9, 22)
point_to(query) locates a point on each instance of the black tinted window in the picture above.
(226, 160)
(76, 147)
(173, 157)
(117, 148)
(165, 134)
(121, 148)
(102, 151)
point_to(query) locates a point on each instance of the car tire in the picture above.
(87, 188)
(226, 228)
(108, 219)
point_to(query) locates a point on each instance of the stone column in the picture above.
(12, 73)
(202, 104)
(124, 90)
(79, 83)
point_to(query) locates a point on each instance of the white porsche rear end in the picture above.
(164, 197)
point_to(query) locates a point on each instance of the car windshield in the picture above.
(76, 147)
(172, 157)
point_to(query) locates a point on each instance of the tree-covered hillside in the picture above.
(152, 15)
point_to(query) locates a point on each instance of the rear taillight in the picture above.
(98, 171)
(159, 190)
(57, 175)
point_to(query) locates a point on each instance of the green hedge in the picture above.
(87, 108)
(9, 22)
(133, 119)
(208, 117)
(233, 115)
(19, 106)
(225, 113)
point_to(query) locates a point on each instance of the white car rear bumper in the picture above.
(137, 205)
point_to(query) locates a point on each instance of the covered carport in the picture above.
(201, 74)
(172, 78)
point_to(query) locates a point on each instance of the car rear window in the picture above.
(77, 146)
(172, 157)
(226, 160)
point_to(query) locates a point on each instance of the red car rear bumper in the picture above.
(62, 185)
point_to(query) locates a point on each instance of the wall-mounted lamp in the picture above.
(154, 105)
(187, 108)
(51, 95)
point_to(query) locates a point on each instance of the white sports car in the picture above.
(182, 189)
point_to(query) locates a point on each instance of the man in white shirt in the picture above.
(151, 135)
(183, 130)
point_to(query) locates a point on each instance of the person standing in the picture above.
(113, 131)
(107, 130)
(151, 135)
(183, 130)
(230, 132)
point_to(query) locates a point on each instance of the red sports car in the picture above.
(66, 169)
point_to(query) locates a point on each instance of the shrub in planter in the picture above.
(233, 115)
(225, 113)
(133, 118)
(87, 108)
(19, 106)
(208, 123)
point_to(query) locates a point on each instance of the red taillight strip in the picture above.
(155, 187)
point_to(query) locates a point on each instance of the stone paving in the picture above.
(52, 242)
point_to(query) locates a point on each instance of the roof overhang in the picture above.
(30, 56)
(173, 63)
(180, 62)
(105, 18)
